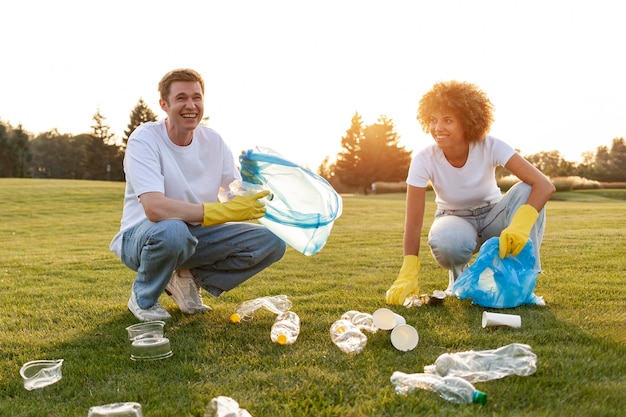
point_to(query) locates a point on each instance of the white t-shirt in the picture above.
(197, 173)
(461, 188)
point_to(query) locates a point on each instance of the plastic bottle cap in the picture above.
(281, 339)
(234, 318)
(479, 397)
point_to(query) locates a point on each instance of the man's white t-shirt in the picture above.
(461, 188)
(198, 173)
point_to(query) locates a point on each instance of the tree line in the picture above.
(97, 155)
(370, 153)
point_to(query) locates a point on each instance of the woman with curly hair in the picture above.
(461, 165)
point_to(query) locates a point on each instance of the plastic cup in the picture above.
(151, 348)
(41, 373)
(116, 409)
(404, 337)
(146, 329)
(498, 319)
(386, 319)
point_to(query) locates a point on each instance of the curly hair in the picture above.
(181, 74)
(468, 102)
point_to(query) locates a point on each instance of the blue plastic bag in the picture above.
(302, 207)
(499, 283)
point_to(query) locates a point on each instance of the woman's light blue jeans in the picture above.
(220, 257)
(456, 235)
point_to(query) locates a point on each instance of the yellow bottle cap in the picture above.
(234, 318)
(281, 339)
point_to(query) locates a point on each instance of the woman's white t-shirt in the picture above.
(461, 188)
(198, 173)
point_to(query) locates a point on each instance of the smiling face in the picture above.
(184, 107)
(447, 130)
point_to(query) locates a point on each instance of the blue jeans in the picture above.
(220, 257)
(456, 235)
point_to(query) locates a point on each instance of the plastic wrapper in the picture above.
(302, 207)
(485, 365)
(499, 283)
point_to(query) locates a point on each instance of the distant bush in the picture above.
(381, 187)
(613, 185)
(505, 183)
(574, 183)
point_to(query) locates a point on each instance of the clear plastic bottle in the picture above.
(286, 328)
(225, 407)
(275, 303)
(238, 187)
(364, 321)
(485, 365)
(347, 337)
(451, 388)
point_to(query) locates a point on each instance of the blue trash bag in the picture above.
(499, 283)
(302, 206)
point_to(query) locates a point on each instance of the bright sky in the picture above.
(290, 74)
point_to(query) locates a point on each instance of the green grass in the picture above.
(63, 295)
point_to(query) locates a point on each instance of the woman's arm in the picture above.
(542, 188)
(414, 219)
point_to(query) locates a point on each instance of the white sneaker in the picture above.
(186, 293)
(156, 312)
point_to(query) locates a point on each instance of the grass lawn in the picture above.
(63, 295)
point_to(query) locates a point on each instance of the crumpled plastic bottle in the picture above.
(239, 187)
(275, 303)
(286, 328)
(364, 321)
(485, 365)
(451, 388)
(225, 407)
(347, 337)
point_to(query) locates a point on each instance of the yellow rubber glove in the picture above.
(406, 283)
(514, 238)
(240, 208)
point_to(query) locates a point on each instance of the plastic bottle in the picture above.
(239, 187)
(485, 365)
(364, 321)
(451, 388)
(347, 337)
(286, 328)
(245, 311)
(225, 407)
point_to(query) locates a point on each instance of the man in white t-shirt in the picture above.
(181, 228)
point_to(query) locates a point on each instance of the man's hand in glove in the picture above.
(240, 208)
(406, 284)
(514, 238)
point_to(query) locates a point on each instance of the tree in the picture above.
(140, 114)
(99, 151)
(346, 165)
(618, 160)
(551, 163)
(56, 156)
(20, 143)
(371, 154)
(15, 154)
